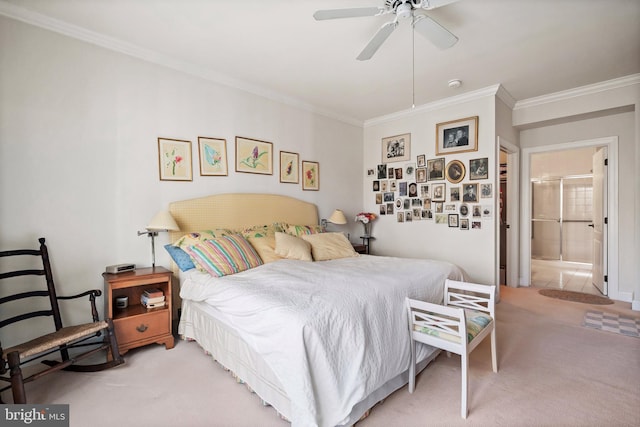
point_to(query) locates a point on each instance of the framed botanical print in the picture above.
(289, 169)
(213, 156)
(310, 175)
(457, 136)
(254, 156)
(396, 148)
(174, 160)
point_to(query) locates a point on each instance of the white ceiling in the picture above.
(531, 47)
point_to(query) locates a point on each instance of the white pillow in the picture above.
(292, 247)
(326, 246)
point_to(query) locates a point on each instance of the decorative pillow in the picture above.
(224, 255)
(326, 246)
(265, 247)
(180, 257)
(200, 236)
(261, 231)
(292, 247)
(299, 230)
(476, 322)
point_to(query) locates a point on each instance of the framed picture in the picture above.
(421, 174)
(310, 175)
(454, 194)
(464, 223)
(479, 168)
(455, 171)
(174, 160)
(289, 169)
(470, 193)
(453, 220)
(213, 156)
(486, 191)
(422, 160)
(254, 156)
(396, 148)
(435, 169)
(438, 192)
(457, 136)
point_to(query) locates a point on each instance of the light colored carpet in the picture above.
(552, 372)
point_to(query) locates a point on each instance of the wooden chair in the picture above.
(20, 296)
(458, 326)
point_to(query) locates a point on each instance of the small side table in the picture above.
(361, 249)
(366, 243)
(136, 325)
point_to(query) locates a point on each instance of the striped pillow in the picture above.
(299, 230)
(224, 255)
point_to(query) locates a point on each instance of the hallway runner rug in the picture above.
(575, 296)
(612, 323)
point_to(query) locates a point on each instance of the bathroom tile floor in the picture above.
(568, 276)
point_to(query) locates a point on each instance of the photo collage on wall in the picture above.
(443, 189)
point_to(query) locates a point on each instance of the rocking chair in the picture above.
(65, 340)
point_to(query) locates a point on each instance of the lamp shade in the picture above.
(163, 221)
(337, 217)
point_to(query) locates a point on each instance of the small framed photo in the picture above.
(289, 169)
(457, 136)
(453, 220)
(254, 156)
(378, 198)
(396, 148)
(435, 169)
(464, 223)
(421, 174)
(376, 185)
(174, 160)
(310, 175)
(454, 193)
(464, 210)
(479, 168)
(441, 218)
(382, 172)
(455, 171)
(213, 156)
(422, 160)
(388, 197)
(438, 192)
(486, 191)
(389, 208)
(470, 193)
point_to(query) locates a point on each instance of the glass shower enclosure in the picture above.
(562, 217)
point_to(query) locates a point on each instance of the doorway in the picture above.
(564, 268)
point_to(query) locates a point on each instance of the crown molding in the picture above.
(12, 11)
(439, 104)
(591, 89)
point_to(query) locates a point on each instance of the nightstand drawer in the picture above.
(136, 328)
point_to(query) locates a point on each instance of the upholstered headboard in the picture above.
(236, 210)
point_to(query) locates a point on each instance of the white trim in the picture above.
(513, 209)
(612, 190)
(437, 105)
(579, 91)
(39, 20)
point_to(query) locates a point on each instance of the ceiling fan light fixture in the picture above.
(455, 83)
(404, 11)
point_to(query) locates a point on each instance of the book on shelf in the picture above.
(155, 304)
(147, 300)
(153, 293)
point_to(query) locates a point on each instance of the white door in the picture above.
(599, 268)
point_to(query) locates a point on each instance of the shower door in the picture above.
(561, 218)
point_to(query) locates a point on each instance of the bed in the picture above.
(320, 341)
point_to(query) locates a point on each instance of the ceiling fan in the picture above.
(402, 9)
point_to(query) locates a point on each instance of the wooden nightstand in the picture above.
(361, 249)
(136, 325)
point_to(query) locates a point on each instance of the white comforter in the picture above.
(332, 331)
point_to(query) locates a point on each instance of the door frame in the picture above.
(513, 210)
(611, 143)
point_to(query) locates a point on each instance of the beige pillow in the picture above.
(266, 248)
(292, 247)
(326, 246)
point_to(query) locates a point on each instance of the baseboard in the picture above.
(635, 305)
(625, 296)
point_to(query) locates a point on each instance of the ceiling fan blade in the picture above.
(347, 13)
(374, 44)
(434, 32)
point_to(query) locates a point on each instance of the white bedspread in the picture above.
(332, 331)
